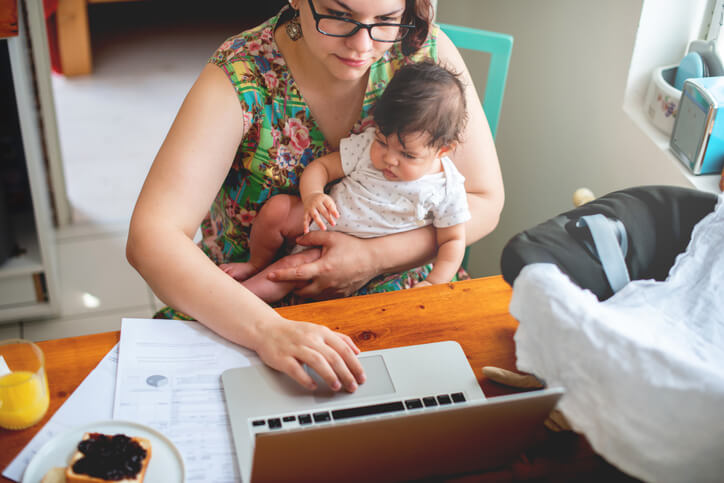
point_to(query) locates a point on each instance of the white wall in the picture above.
(562, 125)
(680, 21)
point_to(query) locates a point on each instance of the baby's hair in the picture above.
(423, 97)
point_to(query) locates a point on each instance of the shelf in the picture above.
(29, 262)
(29, 311)
(703, 182)
(28, 281)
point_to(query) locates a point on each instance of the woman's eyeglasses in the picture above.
(345, 27)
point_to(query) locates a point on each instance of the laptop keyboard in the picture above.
(304, 419)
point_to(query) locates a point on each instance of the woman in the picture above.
(271, 100)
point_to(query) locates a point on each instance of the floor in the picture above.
(111, 124)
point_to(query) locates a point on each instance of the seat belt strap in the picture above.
(610, 244)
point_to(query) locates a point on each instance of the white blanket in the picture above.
(644, 370)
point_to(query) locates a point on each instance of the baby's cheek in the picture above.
(376, 156)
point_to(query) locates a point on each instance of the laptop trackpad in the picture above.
(378, 382)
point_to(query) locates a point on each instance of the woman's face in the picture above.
(348, 58)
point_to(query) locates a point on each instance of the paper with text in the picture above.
(91, 401)
(169, 378)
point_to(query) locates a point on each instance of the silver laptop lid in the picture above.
(425, 443)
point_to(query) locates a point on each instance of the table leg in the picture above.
(74, 37)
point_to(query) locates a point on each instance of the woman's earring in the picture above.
(294, 29)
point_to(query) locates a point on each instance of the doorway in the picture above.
(111, 123)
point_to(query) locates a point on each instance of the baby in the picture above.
(393, 177)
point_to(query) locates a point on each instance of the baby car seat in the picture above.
(652, 224)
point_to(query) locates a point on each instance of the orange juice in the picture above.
(24, 399)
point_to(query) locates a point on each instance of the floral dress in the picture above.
(281, 139)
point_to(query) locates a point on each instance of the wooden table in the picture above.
(473, 313)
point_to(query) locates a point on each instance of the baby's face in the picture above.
(406, 161)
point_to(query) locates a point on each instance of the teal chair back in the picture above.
(499, 46)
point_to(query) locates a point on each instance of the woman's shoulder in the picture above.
(253, 47)
(427, 50)
(252, 62)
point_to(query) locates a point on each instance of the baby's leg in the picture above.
(281, 218)
(271, 291)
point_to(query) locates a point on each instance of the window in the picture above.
(713, 25)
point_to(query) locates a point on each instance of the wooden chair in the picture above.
(74, 45)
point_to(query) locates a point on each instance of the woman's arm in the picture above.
(347, 263)
(181, 185)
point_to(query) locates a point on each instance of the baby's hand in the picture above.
(422, 283)
(318, 206)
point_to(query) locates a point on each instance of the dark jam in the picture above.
(109, 457)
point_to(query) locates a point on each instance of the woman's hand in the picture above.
(286, 344)
(345, 266)
(318, 207)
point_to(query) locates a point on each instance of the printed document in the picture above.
(169, 378)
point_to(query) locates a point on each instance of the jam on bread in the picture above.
(102, 457)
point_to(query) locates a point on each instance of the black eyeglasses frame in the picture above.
(404, 28)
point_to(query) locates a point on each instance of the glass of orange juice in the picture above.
(24, 393)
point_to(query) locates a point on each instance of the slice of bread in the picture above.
(103, 457)
(54, 475)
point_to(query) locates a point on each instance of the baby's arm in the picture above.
(311, 188)
(450, 252)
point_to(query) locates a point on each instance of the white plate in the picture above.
(166, 463)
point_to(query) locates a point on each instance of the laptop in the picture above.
(420, 414)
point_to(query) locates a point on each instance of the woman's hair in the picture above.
(418, 13)
(423, 97)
